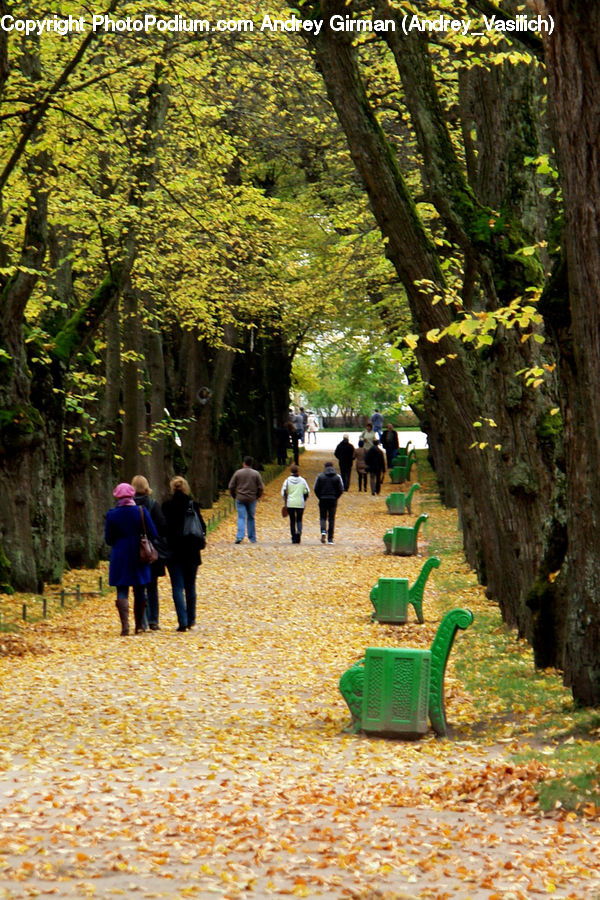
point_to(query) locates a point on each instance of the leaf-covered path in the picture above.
(213, 763)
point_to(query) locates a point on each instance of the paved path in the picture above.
(213, 763)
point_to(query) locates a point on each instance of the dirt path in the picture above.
(213, 763)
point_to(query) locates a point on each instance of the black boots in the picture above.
(123, 610)
(139, 608)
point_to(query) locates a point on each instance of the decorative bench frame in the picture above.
(393, 691)
(399, 503)
(401, 540)
(391, 597)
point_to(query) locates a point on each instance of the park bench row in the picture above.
(394, 691)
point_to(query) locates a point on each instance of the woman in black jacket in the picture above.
(184, 551)
(146, 596)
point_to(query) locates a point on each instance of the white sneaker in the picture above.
(330, 542)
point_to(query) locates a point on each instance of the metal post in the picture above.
(100, 583)
(24, 612)
(62, 597)
(44, 607)
(78, 593)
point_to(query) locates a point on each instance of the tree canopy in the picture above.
(186, 210)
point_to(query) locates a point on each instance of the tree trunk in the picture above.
(503, 495)
(132, 397)
(157, 462)
(573, 65)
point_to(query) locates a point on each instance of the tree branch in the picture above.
(34, 120)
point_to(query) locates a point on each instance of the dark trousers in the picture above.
(345, 473)
(295, 516)
(375, 482)
(147, 595)
(362, 481)
(327, 508)
(295, 450)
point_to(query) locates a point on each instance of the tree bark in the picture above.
(503, 496)
(573, 65)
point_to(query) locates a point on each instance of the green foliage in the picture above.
(351, 374)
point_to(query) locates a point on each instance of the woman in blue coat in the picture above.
(122, 532)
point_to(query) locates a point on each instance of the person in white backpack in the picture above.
(295, 492)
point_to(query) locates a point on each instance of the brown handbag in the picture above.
(148, 552)
(284, 510)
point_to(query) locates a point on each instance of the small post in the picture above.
(78, 593)
(44, 607)
(62, 597)
(100, 583)
(24, 612)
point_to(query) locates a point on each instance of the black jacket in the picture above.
(375, 460)
(157, 568)
(345, 453)
(184, 550)
(329, 485)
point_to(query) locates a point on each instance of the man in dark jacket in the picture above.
(390, 444)
(375, 461)
(328, 488)
(344, 453)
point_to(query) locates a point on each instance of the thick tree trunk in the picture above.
(158, 462)
(132, 396)
(573, 64)
(202, 381)
(503, 495)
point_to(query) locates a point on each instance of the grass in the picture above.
(514, 702)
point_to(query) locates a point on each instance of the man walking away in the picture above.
(377, 423)
(376, 465)
(246, 486)
(329, 487)
(360, 456)
(390, 444)
(344, 453)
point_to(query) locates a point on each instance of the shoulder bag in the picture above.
(192, 526)
(148, 552)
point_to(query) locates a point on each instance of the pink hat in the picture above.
(123, 490)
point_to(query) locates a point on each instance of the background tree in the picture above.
(571, 306)
(466, 276)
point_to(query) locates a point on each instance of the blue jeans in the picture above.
(183, 582)
(245, 511)
(149, 593)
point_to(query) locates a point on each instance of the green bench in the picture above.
(400, 473)
(401, 540)
(399, 503)
(391, 597)
(394, 691)
(402, 457)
